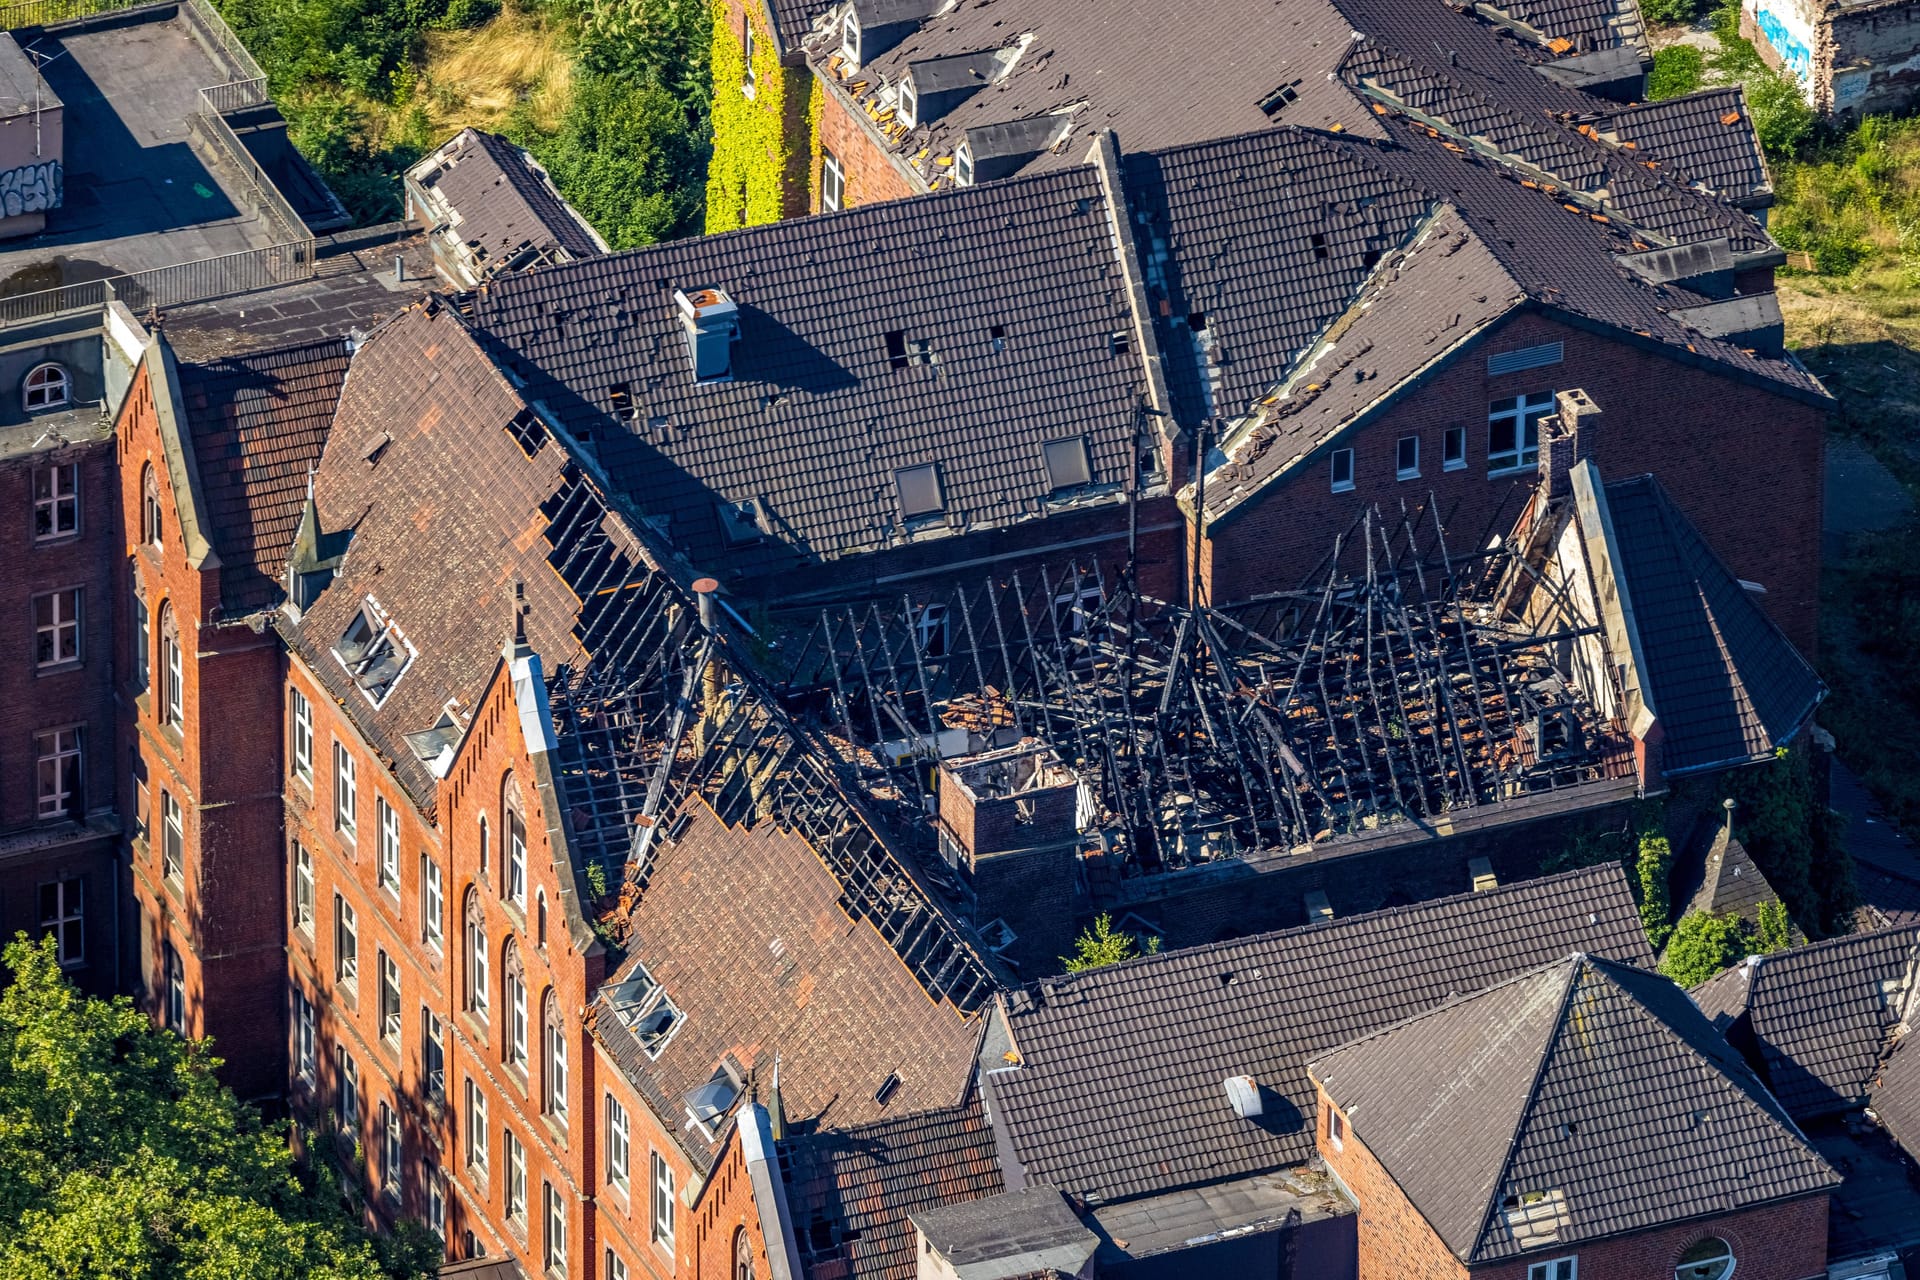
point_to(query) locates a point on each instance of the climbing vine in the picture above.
(750, 175)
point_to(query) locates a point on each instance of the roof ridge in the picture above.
(1452, 1002)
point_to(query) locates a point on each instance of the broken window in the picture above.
(1342, 470)
(897, 348)
(373, 651)
(998, 337)
(741, 521)
(1319, 243)
(620, 401)
(528, 431)
(1406, 458)
(1280, 99)
(1513, 430)
(1067, 464)
(919, 491)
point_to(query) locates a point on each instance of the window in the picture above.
(1453, 454)
(1336, 1129)
(389, 999)
(173, 839)
(476, 1132)
(833, 182)
(305, 1026)
(432, 903)
(137, 767)
(476, 957)
(302, 888)
(58, 752)
(63, 914)
(749, 83)
(1513, 430)
(349, 1097)
(1342, 470)
(1555, 1269)
(142, 642)
(56, 627)
(175, 981)
(56, 501)
(173, 676)
(436, 1204)
(389, 822)
(742, 1254)
(516, 1205)
(346, 805)
(1067, 464)
(302, 753)
(515, 886)
(619, 1154)
(932, 628)
(346, 943)
(45, 388)
(513, 993)
(151, 528)
(540, 918)
(556, 1229)
(909, 103)
(850, 39)
(392, 1152)
(919, 490)
(1406, 458)
(616, 1269)
(963, 166)
(553, 1066)
(373, 651)
(433, 1054)
(1709, 1259)
(486, 845)
(662, 1203)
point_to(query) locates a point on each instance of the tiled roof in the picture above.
(1896, 1095)
(745, 932)
(1706, 136)
(1014, 289)
(1118, 1092)
(1724, 682)
(258, 423)
(1816, 1020)
(504, 200)
(1717, 875)
(850, 1191)
(1585, 1099)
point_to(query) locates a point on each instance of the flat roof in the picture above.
(17, 81)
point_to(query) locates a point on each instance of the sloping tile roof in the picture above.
(1816, 1020)
(1724, 682)
(1717, 875)
(259, 421)
(1896, 1095)
(1119, 1094)
(505, 200)
(1692, 134)
(744, 930)
(1594, 1086)
(1015, 287)
(850, 1191)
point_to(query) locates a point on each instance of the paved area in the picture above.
(138, 195)
(1862, 495)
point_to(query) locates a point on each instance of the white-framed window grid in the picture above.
(173, 840)
(63, 913)
(56, 626)
(389, 998)
(58, 780)
(346, 943)
(1513, 430)
(56, 501)
(346, 804)
(833, 182)
(303, 888)
(433, 903)
(388, 869)
(301, 752)
(619, 1152)
(663, 1202)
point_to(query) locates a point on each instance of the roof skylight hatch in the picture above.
(373, 651)
(642, 1007)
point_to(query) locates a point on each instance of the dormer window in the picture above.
(45, 388)
(373, 651)
(909, 102)
(963, 166)
(919, 491)
(644, 1009)
(850, 39)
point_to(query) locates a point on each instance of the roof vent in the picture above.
(712, 324)
(1244, 1096)
(1481, 869)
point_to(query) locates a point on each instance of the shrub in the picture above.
(1781, 117)
(1775, 931)
(1677, 69)
(1702, 946)
(1651, 865)
(1669, 11)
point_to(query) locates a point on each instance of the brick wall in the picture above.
(871, 175)
(1395, 1242)
(1743, 462)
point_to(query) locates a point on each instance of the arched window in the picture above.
(1709, 1259)
(513, 855)
(742, 1254)
(173, 681)
(513, 999)
(45, 388)
(476, 927)
(150, 526)
(553, 1059)
(486, 845)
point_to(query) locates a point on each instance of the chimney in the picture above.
(1563, 439)
(712, 324)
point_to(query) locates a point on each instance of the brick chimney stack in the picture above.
(1564, 438)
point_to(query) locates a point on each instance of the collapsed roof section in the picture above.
(490, 208)
(1582, 1100)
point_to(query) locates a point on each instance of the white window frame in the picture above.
(1401, 469)
(175, 980)
(616, 1266)
(514, 874)
(513, 1201)
(1567, 1268)
(553, 1031)
(302, 745)
(46, 386)
(57, 637)
(384, 640)
(306, 1026)
(1336, 1128)
(963, 174)
(556, 1228)
(513, 982)
(303, 889)
(52, 499)
(1337, 461)
(388, 869)
(749, 82)
(349, 1092)
(436, 1204)
(173, 840)
(142, 641)
(346, 944)
(909, 102)
(479, 966)
(1524, 413)
(661, 1222)
(619, 1146)
(346, 798)
(392, 1151)
(476, 1131)
(433, 1052)
(173, 672)
(391, 1001)
(67, 921)
(433, 904)
(850, 39)
(60, 773)
(833, 182)
(1454, 450)
(152, 530)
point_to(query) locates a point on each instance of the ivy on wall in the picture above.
(753, 150)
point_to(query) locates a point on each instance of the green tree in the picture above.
(1775, 931)
(1101, 944)
(1702, 946)
(123, 1158)
(1677, 69)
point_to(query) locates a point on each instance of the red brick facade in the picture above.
(1784, 1241)
(870, 173)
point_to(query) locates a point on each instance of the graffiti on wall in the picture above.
(1789, 37)
(32, 188)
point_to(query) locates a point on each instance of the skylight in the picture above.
(642, 1007)
(373, 651)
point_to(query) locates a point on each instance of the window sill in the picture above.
(68, 667)
(1344, 488)
(1406, 475)
(1455, 466)
(1511, 469)
(57, 539)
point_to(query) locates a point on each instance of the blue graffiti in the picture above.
(1797, 56)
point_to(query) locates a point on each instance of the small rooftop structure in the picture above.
(490, 208)
(1015, 1233)
(32, 142)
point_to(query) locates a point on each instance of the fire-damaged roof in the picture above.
(1144, 1046)
(1816, 1021)
(1582, 1100)
(259, 421)
(741, 929)
(965, 334)
(1706, 135)
(495, 207)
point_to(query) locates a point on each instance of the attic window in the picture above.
(1117, 343)
(379, 449)
(1280, 99)
(919, 490)
(850, 39)
(897, 348)
(641, 1005)
(963, 166)
(888, 1087)
(709, 1104)
(909, 102)
(742, 521)
(998, 336)
(620, 401)
(373, 651)
(1319, 243)
(1067, 464)
(528, 432)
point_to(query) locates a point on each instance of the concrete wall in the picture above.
(32, 169)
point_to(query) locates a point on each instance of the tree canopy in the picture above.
(122, 1157)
